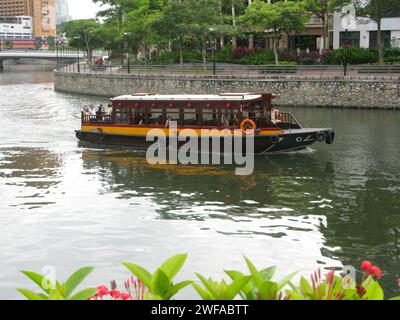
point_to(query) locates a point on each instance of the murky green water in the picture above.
(67, 206)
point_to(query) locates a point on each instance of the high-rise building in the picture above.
(43, 14)
(62, 11)
(16, 8)
(44, 18)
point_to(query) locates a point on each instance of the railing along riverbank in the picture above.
(222, 69)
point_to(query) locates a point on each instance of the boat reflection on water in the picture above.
(273, 186)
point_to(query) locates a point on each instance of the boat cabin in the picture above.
(227, 110)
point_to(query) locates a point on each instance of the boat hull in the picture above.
(289, 140)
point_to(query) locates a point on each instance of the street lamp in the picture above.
(77, 52)
(213, 50)
(127, 34)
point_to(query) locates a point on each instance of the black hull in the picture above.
(292, 140)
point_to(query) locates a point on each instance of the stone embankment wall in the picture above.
(358, 92)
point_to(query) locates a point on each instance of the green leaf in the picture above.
(374, 292)
(140, 272)
(268, 273)
(204, 294)
(268, 290)
(38, 279)
(285, 280)
(173, 265)
(56, 295)
(176, 288)
(234, 288)
(160, 283)
(29, 294)
(210, 286)
(395, 298)
(75, 280)
(84, 294)
(256, 275)
(305, 286)
(247, 290)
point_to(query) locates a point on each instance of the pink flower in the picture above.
(329, 276)
(115, 294)
(102, 291)
(366, 265)
(375, 271)
(125, 296)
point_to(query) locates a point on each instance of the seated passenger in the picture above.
(275, 115)
(225, 120)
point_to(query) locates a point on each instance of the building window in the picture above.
(373, 39)
(350, 39)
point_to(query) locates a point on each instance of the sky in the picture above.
(82, 9)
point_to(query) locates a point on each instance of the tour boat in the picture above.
(132, 118)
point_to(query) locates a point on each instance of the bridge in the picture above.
(42, 55)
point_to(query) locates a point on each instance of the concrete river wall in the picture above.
(352, 92)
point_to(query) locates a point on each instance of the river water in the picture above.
(65, 206)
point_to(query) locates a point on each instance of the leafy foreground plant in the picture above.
(257, 285)
(57, 290)
(160, 283)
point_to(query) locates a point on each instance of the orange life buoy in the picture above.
(248, 126)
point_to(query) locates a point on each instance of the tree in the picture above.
(322, 9)
(376, 10)
(115, 15)
(84, 34)
(175, 23)
(279, 17)
(141, 24)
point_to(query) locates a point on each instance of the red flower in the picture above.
(375, 271)
(102, 291)
(329, 276)
(125, 296)
(115, 294)
(366, 265)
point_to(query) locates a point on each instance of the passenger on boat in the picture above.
(100, 113)
(225, 119)
(86, 111)
(275, 115)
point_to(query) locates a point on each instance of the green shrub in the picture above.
(257, 285)
(257, 58)
(352, 56)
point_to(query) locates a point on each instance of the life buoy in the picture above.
(248, 126)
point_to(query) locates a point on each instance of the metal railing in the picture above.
(222, 69)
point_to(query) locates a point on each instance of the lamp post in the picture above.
(77, 53)
(213, 50)
(57, 54)
(127, 34)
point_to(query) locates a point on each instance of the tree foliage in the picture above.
(279, 17)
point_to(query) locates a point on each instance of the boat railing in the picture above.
(288, 117)
(90, 119)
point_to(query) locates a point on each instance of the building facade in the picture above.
(17, 32)
(42, 12)
(362, 33)
(15, 8)
(62, 11)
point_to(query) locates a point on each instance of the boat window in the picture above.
(121, 116)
